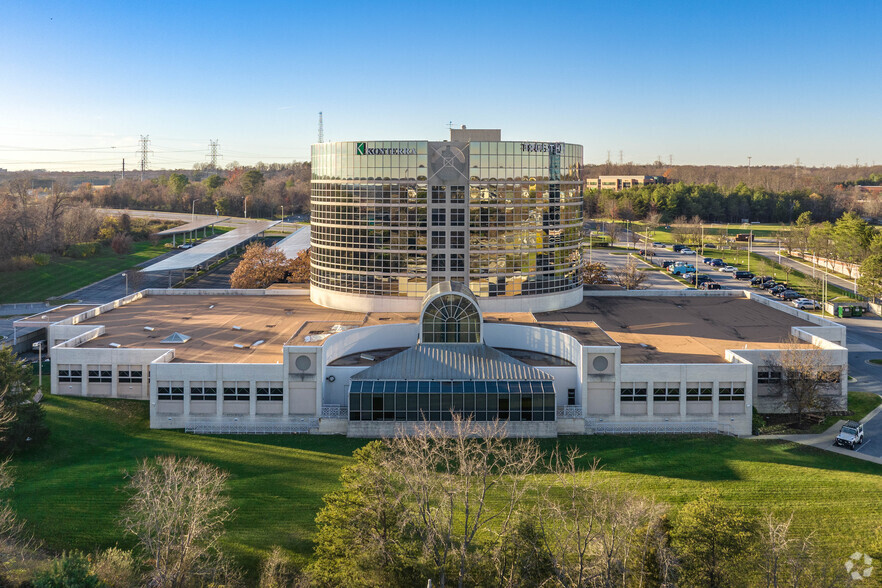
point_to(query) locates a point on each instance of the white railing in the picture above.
(569, 412)
(287, 427)
(643, 428)
(335, 411)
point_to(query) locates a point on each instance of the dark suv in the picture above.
(741, 275)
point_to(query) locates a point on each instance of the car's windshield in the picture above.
(849, 431)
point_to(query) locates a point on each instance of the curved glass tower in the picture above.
(392, 218)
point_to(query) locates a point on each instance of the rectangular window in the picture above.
(439, 263)
(439, 217)
(457, 262)
(237, 391)
(206, 390)
(666, 391)
(457, 217)
(766, 376)
(70, 374)
(699, 391)
(457, 240)
(571, 397)
(100, 374)
(731, 391)
(170, 390)
(269, 391)
(129, 374)
(439, 240)
(633, 392)
(439, 195)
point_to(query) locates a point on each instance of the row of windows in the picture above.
(530, 193)
(670, 391)
(207, 390)
(440, 406)
(100, 374)
(451, 387)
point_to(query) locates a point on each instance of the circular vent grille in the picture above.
(600, 363)
(302, 363)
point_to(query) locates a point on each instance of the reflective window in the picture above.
(451, 318)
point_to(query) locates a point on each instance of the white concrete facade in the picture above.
(303, 392)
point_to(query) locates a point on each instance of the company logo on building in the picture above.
(542, 147)
(363, 149)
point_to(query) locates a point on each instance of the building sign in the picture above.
(363, 149)
(542, 147)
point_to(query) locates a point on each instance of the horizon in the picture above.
(687, 83)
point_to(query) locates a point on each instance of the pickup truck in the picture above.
(682, 269)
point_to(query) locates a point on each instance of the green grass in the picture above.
(876, 361)
(71, 490)
(64, 274)
(860, 404)
(662, 235)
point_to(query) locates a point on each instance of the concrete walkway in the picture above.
(825, 440)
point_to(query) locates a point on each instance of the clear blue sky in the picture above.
(706, 81)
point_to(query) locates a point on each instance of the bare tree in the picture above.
(629, 277)
(594, 273)
(460, 478)
(802, 379)
(178, 512)
(260, 267)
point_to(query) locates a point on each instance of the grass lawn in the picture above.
(859, 404)
(64, 274)
(70, 491)
(663, 235)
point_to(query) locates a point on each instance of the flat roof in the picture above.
(682, 329)
(275, 320)
(295, 242)
(59, 313)
(192, 226)
(212, 248)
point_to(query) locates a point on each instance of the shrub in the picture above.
(116, 567)
(42, 258)
(72, 570)
(80, 250)
(19, 262)
(121, 243)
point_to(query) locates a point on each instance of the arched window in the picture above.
(450, 316)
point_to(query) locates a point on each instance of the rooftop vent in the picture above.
(367, 357)
(237, 328)
(176, 338)
(238, 346)
(148, 328)
(210, 306)
(115, 345)
(256, 343)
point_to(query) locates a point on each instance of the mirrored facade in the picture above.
(392, 218)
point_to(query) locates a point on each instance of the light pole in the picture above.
(39, 347)
(126, 276)
(749, 247)
(283, 213)
(193, 210)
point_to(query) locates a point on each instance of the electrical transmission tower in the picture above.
(321, 137)
(145, 143)
(212, 154)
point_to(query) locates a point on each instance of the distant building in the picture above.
(617, 183)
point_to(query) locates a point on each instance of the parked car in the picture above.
(850, 435)
(789, 295)
(667, 263)
(678, 248)
(707, 260)
(709, 246)
(768, 285)
(185, 246)
(729, 269)
(645, 252)
(687, 251)
(759, 280)
(660, 245)
(709, 286)
(777, 289)
(718, 263)
(678, 270)
(743, 275)
(806, 304)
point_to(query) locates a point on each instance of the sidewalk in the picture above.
(825, 440)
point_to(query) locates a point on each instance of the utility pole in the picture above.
(748, 167)
(321, 133)
(145, 144)
(621, 157)
(212, 154)
(670, 160)
(124, 169)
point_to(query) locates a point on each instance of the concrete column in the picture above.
(252, 398)
(220, 397)
(286, 397)
(617, 400)
(716, 402)
(84, 383)
(682, 397)
(114, 378)
(186, 398)
(650, 399)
